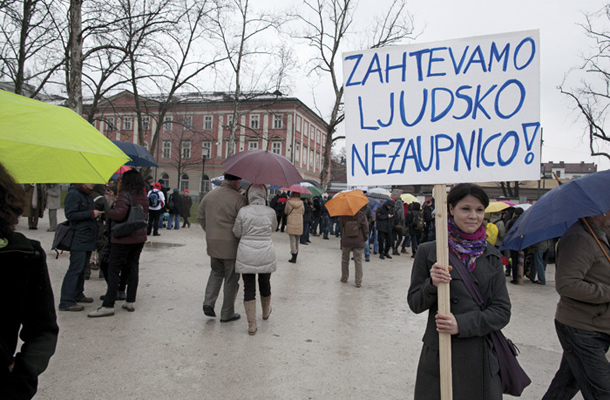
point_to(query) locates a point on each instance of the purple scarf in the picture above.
(468, 247)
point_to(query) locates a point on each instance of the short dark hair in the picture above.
(132, 182)
(12, 202)
(459, 191)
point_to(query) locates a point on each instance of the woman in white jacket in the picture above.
(255, 255)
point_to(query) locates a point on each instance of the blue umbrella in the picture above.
(558, 209)
(140, 157)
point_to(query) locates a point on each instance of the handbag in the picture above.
(513, 377)
(136, 219)
(64, 233)
(398, 228)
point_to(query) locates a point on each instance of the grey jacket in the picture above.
(216, 214)
(53, 194)
(475, 366)
(582, 279)
(254, 225)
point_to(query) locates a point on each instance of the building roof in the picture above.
(571, 168)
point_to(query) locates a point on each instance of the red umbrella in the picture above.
(260, 166)
(296, 188)
(120, 172)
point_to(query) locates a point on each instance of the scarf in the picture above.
(84, 189)
(468, 247)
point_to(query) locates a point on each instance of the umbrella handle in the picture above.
(584, 220)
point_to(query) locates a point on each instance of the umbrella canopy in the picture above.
(140, 156)
(315, 190)
(524, 206)
(408, 198)
(558, 209)
(510, 203)
(44, 143)
(496, 206)
(378, 190)
(261, 166)
(120, 172)
(379, 196)
(296, 188)
(346, 203)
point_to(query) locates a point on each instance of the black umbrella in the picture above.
(140, 157)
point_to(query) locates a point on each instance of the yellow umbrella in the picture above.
(346, 203)
(496, 206)
(44, 143)
(408, 198)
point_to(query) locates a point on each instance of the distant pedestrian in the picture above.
(217, 213)
(355, 233)
(81, 213)
(385, 225)
(185, 211)
(307, 218)
(156, 203)
(28, 333)
(254, 225)
(175, 209)
(53, 191)
(294, 214)
(35, 199)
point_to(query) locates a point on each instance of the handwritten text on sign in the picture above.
(454, 111)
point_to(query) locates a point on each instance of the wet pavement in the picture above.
(323, 340)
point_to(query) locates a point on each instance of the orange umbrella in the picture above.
(346, 203)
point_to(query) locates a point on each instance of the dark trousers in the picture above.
(583, 367)
(414, 240)
(105, 265)
(123, 256)
(305, 235)
(153, 221)
(314, 225)
(385, 242)
(324, 225)
(264, 285)
(281, 221)
(73, 286)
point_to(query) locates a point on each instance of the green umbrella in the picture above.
(44, 143)
(315, 192)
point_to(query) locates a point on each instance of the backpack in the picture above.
(171, 205)
(351, 229)
(64, 233)
(153, 198)
(418, 221)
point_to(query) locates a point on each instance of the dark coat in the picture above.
(26, 287)
(357, 242)
(308, 214)
(119, 212)
(384, 222)
(79, 208)
(187, 203)
(475, 366)
(175, 203)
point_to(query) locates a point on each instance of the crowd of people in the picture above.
(239, 229)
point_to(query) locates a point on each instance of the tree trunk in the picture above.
(75, 63)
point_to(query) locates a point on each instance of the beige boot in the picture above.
(250, 307)
(266, 303)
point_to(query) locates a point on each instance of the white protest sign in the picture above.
(464, 110)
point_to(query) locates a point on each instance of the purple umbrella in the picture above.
(260, 166)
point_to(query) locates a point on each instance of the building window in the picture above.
(252, 145)
(276, 147)
(305, 128)
(127, 123)
(229, 121)
(207, 123)
(188, 121)
(318, 161)
(186, 150)
(305, 156)
(206, 149)
(312, 132)
(184, 182)
(167, 123)
(311, 164)
(318, 136)
(167, 149)
(254, 121)
(297, 153)
(165, 180)
(277, 121)
(298, 127)
(110, 124)
(146, 123)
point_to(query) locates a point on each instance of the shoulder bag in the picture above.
(513, 377)
(136, 219)
(64, 233)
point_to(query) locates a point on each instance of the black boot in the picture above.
(293, 259)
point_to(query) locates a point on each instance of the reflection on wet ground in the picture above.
(160, 245)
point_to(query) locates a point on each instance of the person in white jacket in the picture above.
(255, 255)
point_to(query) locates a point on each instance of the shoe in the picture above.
(85, 299)
(326, 238)
(50, 230)
(514, 282)
(374, 252)
(309, 241)
(294, 258)
(343, 280)
(403, 251)
(413, 255)
(266, 303)
(208, 310)
(367, 259)
(156, 234)
(538, 283)
(358, 285)
(507, 273)
(235, 317)
(101, 312)
(129, 307)
(305, 244)
(381, 257)
(103, 297)
(121, 295)
(395, 253)
(176, 229)
(94, 266)
(75, 307)
(387, 255)
(32, 228)
(250, 307)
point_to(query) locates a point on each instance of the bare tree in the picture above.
(236, 29)
(327, 27)
(591, 93)
(30, 43)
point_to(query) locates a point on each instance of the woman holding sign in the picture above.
(474, 363)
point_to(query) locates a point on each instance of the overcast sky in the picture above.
(562, 43)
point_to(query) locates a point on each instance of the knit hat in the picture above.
(186, 191)
(157, 186)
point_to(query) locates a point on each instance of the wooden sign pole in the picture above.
(442, 257)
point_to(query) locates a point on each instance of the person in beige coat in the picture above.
(294, 227)
(53, 204)
(216, 214)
